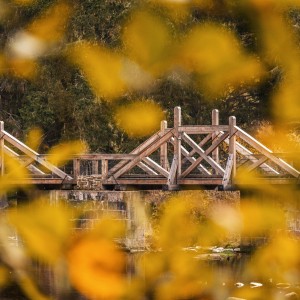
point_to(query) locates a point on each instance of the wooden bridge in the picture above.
(183, 155)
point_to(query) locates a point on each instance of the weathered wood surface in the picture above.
(202, 155)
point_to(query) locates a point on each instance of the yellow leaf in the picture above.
(44, 228)
(24, 2)
(139, 118)
(4, 276)
(102, 68)
(96, 268)
(147, 41)
(214, 54)
(34, 138)
(63, 152)
(51, 25)
(23, 67)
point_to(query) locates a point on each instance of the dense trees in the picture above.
(59, 100)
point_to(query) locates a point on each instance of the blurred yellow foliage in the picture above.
(44, 228)
(140, 118)
(34, 138)
(63, 152)
(22, 67)
(147, 41)
(96, 268)
(101, 66)
(51, 25)
(215, 54)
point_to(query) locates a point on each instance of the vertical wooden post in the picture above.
(104, 167)
(164, 147)
(76, 167)
(95, 165)
(177, 144)
(215, 121)
(232, 143)
(1, 148)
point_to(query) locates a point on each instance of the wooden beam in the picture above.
(104, 168)
(155, 137)
(201, 144)
(257, 164)
(164, 162)
(202, 129)
(150, 149)
(232, 144)
(76, 168)
(177, 139)
(100, 156)
(228, 170)
(30, 167)
(156, 166)
(215, 122)
(95, 167)
(203, 154)
(267, 152)
(34, 155)
(191, 159)
(146, 169)
(2, 148)
(246, 152)
(172, 175)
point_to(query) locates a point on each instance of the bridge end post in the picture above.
(164, 148)
(215, 121)
(177, 145)
(232, 146)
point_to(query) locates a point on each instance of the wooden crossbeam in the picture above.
(155, 137)
(147, 151)
(257, 164)
(30, 167)
(202, 129)
(145, 168)
(156, 166)
(267, 152)
(204, 154)
(191, 159)
(246, 152)
(201, 144)
(35, 156)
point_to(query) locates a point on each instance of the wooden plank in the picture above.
(246, 152)
(228, 170)
(201, 144)
(95, 166)
(156, 166)
(2, 148)
(215, 122)
(267, 152)
(76, 168)
(151, 148)
(155, 137)
(257, 164)
(30, 167)
(177, 139)
(104, 167)
(146, 169)
(172, 175)
(34, 155)
(100, 156)
(202, 129)
(191, 159)
(203, 154)
(232, 144)
(164, 162)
